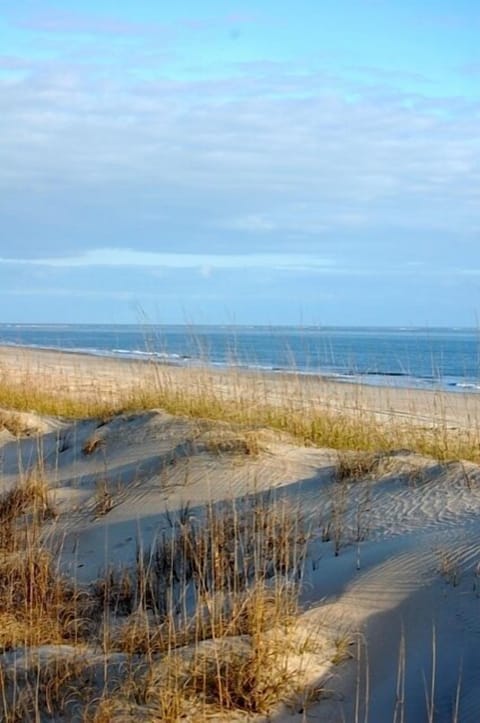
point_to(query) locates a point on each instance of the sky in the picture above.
(293, 162)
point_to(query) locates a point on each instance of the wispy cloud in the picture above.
(310, 169)
(51, 20)
(15, 62)
(304, 158)
(54, 21)
(130, 258)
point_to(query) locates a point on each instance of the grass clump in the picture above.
(230, 676)
(92, 444)
(224, 549)
(204, 622)
(242, 666)
(22, 510)
(14, 423)
(37, 605)
(356, 466)
(213, 602)
(57, 688)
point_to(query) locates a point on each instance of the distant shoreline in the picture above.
(387, 379)
(77, 373)
(266, 327)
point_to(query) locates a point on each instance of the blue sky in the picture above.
(249, 162)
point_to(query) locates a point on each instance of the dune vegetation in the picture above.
(179, 545)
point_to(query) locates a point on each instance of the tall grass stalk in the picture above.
(243, 399)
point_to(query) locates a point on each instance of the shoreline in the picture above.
(76, 373)
(383, 380)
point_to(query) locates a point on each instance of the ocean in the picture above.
(429, 358)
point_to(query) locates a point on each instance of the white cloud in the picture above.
(206, 263)
(255, 161)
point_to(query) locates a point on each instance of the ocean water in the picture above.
(406, 357)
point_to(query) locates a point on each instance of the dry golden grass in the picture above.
(57, 688)
(13, 423)
(22, 509)
(205, 616)
(232, 676)
(216, 558)
(245, 403)
(353, 466)
(92, 444)
(216, 598)
(37, 605)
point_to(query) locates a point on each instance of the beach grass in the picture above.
(203, 625)
(244, 400)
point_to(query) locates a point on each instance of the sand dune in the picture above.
(393, 565)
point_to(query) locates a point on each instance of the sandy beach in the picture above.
(390, 594)
(81, 374)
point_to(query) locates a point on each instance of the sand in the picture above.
(404, 588)
(87, 375)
